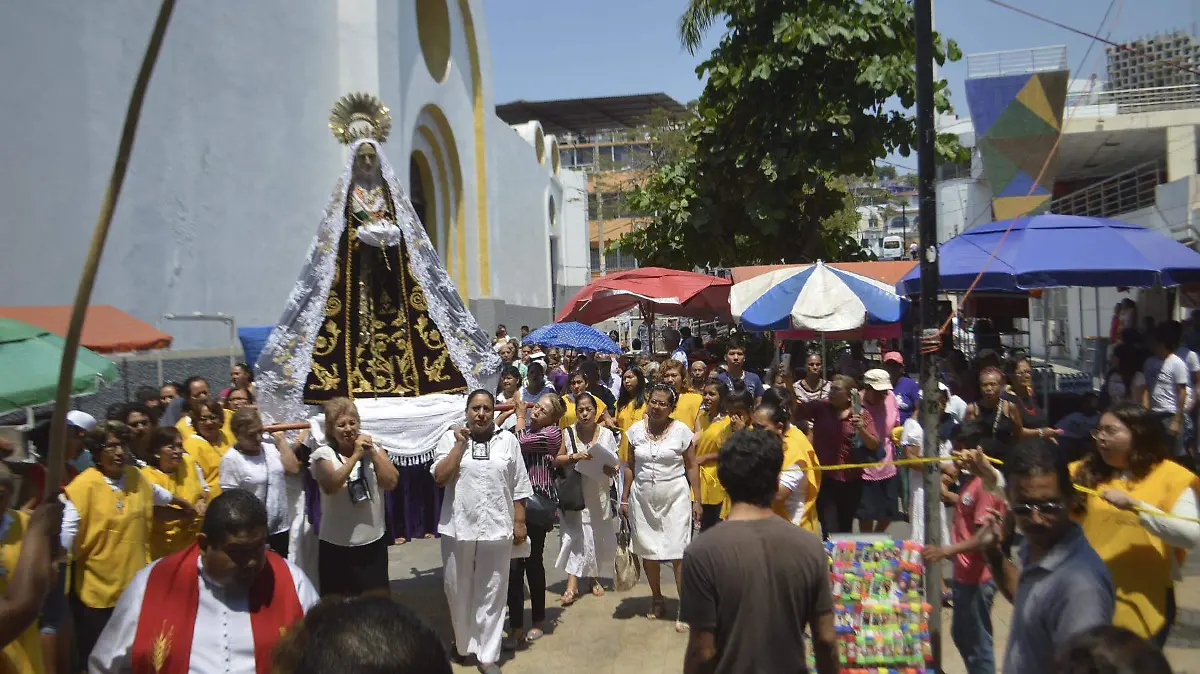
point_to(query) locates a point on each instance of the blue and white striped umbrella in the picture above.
(814, 297)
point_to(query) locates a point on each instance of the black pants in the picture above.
(89, 623)
(837, 503)
(349, 571)
(278, 543)
(709, 515)
(534, 569)
(1161, 637)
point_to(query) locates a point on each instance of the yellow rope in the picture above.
(998, 462)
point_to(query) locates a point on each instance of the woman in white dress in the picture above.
(483, 517)
(658, 495)
(589, 536)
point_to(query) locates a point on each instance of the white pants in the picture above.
(475, 577)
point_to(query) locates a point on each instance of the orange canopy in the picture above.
(106, 329)
(890, 272)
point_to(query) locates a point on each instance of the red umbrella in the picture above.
(656, 291)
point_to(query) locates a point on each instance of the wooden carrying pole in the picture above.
(62, 398)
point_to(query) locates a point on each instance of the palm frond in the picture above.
(695, 22)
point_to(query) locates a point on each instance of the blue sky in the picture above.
(549, 49)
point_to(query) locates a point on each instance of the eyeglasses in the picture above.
(1048, 509)
(113, 445)
(658, 403)
(1106, 431)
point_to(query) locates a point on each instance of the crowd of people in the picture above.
(1080, 519)
(1082, 522)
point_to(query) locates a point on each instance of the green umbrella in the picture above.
(29, 362)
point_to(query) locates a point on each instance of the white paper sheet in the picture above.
(594, 467)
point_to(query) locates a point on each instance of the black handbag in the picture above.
(539, 511)
(569, 484)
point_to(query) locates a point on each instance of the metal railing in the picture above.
(1121, 193)
(1017, 61)
(1130, 101)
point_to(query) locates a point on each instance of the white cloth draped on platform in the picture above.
(283, 366)
(408, 428)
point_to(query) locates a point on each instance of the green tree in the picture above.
(799, 93)
(885, 172)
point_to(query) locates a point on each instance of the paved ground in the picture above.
(610, 634)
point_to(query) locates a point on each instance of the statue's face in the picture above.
(366, 161)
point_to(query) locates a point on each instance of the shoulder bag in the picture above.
(568, 482)
(627, 570)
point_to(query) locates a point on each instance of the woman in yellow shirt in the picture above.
(210, 442)
(1144, 552)
(799, 482)
(726, 412)
(577, 385)
(687, 406)
(177, 472)
(24, 654)
(631, 407)
(107, 519)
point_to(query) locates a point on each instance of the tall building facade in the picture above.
(607, 139)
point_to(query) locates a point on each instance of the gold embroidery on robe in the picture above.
(162, 647)
(377, 330)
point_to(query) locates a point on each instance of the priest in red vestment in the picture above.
(219, 605)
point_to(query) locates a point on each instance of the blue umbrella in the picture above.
(572, 335)
(1047, 251)
(814, 297)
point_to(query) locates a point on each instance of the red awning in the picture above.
(106, 329)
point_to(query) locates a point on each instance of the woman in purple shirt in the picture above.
(540, 439)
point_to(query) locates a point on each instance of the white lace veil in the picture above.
(282, 368)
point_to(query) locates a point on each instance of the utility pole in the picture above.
(927, 230)
(904, 219)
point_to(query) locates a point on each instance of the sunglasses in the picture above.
(1049, 509)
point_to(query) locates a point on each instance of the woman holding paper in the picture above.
(589, 536)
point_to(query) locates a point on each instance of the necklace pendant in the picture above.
(120, 506)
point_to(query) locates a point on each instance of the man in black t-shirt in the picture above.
(752, 583)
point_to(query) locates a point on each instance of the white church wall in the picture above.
(232, 168)
(234, 162)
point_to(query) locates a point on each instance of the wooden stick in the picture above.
(62, 399)
(301, 425)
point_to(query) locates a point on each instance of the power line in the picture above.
(1116, 45)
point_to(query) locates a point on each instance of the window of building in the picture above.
(595, 261)
(585, 156)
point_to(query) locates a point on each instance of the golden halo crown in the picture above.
(357, 116)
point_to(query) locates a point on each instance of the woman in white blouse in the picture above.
(353, 471)
(260, 468)
(589, 536)
(483, 517)
(658, 495)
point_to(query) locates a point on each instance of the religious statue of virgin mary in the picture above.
(374, 316)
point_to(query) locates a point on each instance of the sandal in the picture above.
(534, 634)
(569, 598)
(401, 541)
(512, 642)
(658, 609)
(597, 589)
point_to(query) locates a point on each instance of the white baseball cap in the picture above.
(81, 420)
(878, 379)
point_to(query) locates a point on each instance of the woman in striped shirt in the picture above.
(540, 439)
